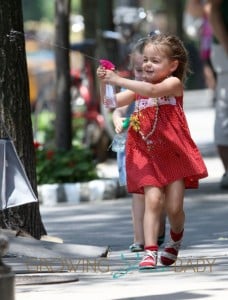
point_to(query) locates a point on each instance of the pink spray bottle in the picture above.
(110, 95)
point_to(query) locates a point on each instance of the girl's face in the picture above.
(156, 64)
(138, 71)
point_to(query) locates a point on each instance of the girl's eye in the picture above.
(152, 60)
(155, 61)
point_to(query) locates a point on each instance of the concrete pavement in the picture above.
(200, 272)
(78, 267)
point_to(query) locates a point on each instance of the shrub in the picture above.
(60, 166)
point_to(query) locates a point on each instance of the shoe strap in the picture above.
(172, 244)
(152, 254)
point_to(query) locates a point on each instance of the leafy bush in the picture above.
(59, 166)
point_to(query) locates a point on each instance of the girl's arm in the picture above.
(171, 86)
(125, 97)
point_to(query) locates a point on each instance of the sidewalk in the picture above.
(89, 259)
(200, 272)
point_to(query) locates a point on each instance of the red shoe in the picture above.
(170, 253)
(149, 260)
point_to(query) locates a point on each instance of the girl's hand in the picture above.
(118, 123)
(110, 77)
(101, 72)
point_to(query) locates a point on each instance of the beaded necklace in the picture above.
(135, 123)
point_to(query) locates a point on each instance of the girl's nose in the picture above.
(147, 63)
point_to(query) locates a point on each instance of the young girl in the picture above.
(161, 157)
(138, 205)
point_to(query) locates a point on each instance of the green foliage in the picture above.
(60, 166)
(43, 124)
(75, 6)
(44, 131)
(37, 10)
(48, 10)
(32, 10)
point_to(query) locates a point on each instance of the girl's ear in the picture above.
(174, 65)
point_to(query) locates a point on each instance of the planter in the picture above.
(75, 193)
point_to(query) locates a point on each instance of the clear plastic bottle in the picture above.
(110, 93)
(119, 140)
(110, 96)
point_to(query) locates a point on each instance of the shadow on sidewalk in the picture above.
(207, 189)
(206, 217)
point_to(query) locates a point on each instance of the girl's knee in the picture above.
(176, 214)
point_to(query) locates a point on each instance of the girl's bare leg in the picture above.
(174, 204)
(138, 208)
(153, 208)
(154, 198)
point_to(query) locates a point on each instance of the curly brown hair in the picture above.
(175, 50)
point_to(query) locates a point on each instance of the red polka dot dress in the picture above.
(159, 147)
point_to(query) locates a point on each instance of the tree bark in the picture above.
(15, 111)
(63, 99)
(175, 10)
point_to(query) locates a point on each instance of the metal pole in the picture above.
(6, 274)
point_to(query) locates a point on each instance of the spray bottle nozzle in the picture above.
(107, 64)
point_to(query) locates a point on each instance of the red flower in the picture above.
(36, 144)
(107, 64)
(50, 154)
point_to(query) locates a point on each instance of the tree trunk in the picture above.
(63, 99)
(15, 111)
(175, 10)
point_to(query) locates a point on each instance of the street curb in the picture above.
(45, 278)
(80, 192)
